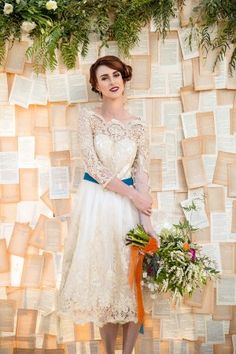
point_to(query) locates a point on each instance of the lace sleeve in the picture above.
(91, 161)
(141, 164)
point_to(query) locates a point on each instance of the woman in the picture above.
(111, 199)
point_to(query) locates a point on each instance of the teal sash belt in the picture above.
(129, 181)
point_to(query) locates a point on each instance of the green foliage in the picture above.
(69, 27)
(215, 22)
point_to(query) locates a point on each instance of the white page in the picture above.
(91, 54)
(17, 264)
(189, 124)
(21, 91)
(214, 332)
(212, 250)
(169, 174)
(219, 231)
(174, 83)
(226, 143)
(142, 47)
(3, 88)
(9, 172)
(168, 52)
(209, 162)
(39, 94)
(222, 120)
(61, 139)
(186, 50)
(226, 290)
(197, 218)
(170, 114)
(26, 151)
(77, 88)
(59, 186)
(158, 84)
(7, 120)
(57, 87)
(207, 100)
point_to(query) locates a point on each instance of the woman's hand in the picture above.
(142, 201)
(145, 220)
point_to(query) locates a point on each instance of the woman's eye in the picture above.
(104, 78)
(117, 74)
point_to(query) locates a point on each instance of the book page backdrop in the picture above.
(191, 115)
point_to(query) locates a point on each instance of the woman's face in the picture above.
(109, 82)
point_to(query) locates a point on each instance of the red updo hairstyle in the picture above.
(112, 62)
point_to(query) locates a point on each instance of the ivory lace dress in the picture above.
(94, 284)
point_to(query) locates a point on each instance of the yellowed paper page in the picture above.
(220, 173)
(8, 144)
(189, 98)
(202, 81)
(156, 175)
(26, 322)
(192, 146)
(233, 222)
(16, 57)
(141, 72)
(215, 199)
(194, 171)
(231, 180)
(53, 235)
(32, 271)
(19, 240)
(48, 278)
(8, 212)
(28, 184)
(24, 121)
(7, 315)
(60, 158)
(40, 116)
(37, 238)
(228, 259)
(4, 257)
(57, 115)
(43, 141)
(205, 123)
(9, 193)
(232, 121)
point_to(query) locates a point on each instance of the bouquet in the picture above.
(177, 266)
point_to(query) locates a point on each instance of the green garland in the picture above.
(68, 25)
(215, 25)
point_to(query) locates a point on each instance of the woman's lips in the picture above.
(114, 89)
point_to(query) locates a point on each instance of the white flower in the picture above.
(18, 1)
(144, 274)
(8, 9)
(28, 26)
(51, 5)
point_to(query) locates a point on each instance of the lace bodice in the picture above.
(114, 149)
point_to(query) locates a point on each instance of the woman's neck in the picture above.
(113, 108)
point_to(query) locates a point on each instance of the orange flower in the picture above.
(186, 246)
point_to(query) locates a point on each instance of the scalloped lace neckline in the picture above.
(107, 122)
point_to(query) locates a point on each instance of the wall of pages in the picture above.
(191, 114)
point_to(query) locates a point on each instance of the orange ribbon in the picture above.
(135, 271)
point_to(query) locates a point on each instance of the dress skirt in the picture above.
(94, 284)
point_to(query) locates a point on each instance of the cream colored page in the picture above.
(32, 271)
(77, 88)
(4, 257)
(194, 171)
(21, 91)
(220, 173)
(61, 139)
(168, 51)
(189, 98)
(156, 174)
(26, 151)
(222, 120)
(58, 115)
(57, 85)
(53, 235)
(7, 120)
(189, 124)
(7, 315)
(232, 121)
(192, 146)
(29, 184)
(231, 180)
(3, 88)
(202, 81)
(9, 173)
(170, 114)
(26, 322)
(141, 67)
(47, 300)
(205, 123)
(214, 332)
(226, 290)
(48, 278)
(39, 94)
(227, 252)
(215, 198)
(19, 239)
(59, 187)
(37, 238)
(66, 330)
(233, 218)
(16, 57)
